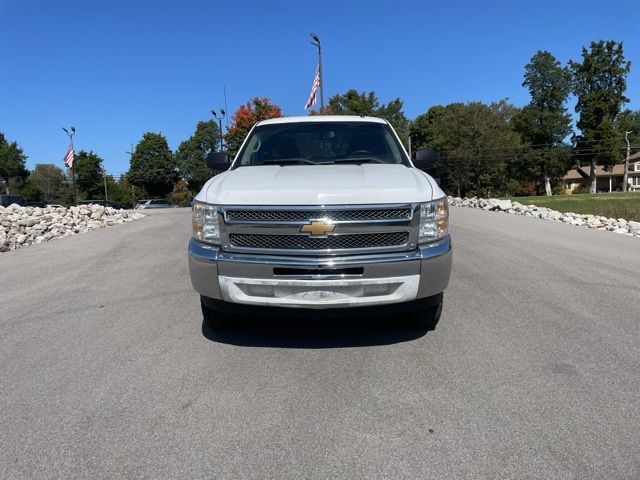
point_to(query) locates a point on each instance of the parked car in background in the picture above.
(6, 200)
(36, 203)
(55, 205)
(153, 203)
(104, 203)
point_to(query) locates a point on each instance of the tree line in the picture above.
(485, 149)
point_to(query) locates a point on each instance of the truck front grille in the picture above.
(350, 215)
(331, 242)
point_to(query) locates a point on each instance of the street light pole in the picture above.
(316, 41)
(73, 174)
(223, 114)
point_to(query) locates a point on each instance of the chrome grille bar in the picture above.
(295, 216)
(330, 242)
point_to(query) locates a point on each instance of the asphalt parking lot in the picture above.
(106, 369)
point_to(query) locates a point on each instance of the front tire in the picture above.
(428, 318)
(214, 319)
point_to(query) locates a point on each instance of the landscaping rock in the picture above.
(596, 222)
(22, 226)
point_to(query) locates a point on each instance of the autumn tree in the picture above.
(191, 156)
(599, 83)
(544, 122)
(152, 165)
(245, 118)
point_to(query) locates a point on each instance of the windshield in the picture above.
(321, 143)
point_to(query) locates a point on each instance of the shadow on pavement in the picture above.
(301, 333)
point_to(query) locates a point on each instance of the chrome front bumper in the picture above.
(320, 282)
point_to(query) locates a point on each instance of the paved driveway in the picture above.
(106, 370)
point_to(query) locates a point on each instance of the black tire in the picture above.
(428, 318)
(214, 319)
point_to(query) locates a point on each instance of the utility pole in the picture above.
(625, 177)
(316, 41)
(104, 177)
(133, 192)
(73, 173)
(223, 115)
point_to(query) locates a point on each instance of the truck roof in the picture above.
(322, 118)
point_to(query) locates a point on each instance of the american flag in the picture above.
(68, 157)
(314, 88)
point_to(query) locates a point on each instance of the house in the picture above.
(606, 180)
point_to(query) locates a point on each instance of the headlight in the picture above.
(434, 220)
(205, 222)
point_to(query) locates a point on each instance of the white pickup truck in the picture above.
(317, 216)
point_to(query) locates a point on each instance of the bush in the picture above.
(584, 188)
(557, 187)
(522, 188)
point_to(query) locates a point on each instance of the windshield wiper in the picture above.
(358, 160)
(283, 161)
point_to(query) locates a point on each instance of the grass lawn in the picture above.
(613, 205)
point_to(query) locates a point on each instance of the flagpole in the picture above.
(73, 174)
(316, 42)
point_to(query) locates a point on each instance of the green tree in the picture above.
(599, 83)
(245, 118)
(31, 191)
(51, 180)
(121, 192)
(12, 162)
(422, 129)
(544, 122)
(476, 144)
(628, 127)
(153, 165)
(353, 102)
(191, 156)
(392, 112)
(89, 175)
(629, 121)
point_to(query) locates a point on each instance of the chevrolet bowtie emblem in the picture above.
(318, 228)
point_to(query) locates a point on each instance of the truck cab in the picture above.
(317, 216)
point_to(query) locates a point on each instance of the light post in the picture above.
(223, 114)
(73, 175)
(316, 41)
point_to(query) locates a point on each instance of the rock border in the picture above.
(23, 226)
(596, 222)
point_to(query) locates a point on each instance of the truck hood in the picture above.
(320, 185)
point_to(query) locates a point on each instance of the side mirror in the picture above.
(425, 159)
(218, 161)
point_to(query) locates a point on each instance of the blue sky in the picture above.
(115, 69)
